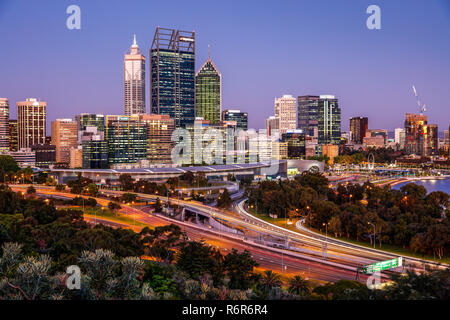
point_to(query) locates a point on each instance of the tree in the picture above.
(270, 280)
(7, 165)
(60, 187)
(335, 225)
(158, 206)
(113, 206)
(197, 259)
(126, 181)
(162, 242)
(224, 200)
(31, 190)
(128, 197)
(299, 286)
(239, 269)
(92, 189)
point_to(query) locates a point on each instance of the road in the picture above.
(269, 258)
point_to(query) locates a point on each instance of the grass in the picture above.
(114, 216)
(281, 222)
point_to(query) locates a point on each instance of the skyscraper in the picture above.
(64, 137)
(308, 108)
(358, 128)
(127, 139)
(134, 80)
(208, 92)
(272, 125)
(296, 144)
(286, 112)
(13, 136)
(31, 122)
(159, 138)
(414, 130)
(172, 75)
(329, 120)
(4, 125)
(90, 120)
(240, 117)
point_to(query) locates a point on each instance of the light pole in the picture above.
(373, 233)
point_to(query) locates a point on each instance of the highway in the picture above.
(278, 260)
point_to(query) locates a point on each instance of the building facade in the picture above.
(296, 144)
(286, 112)
(208, 92)
(241, 118)
(134, 80)
(31, 122)
(159, 138)
(329, 120)
(64, 137)
(414, 130)
(4, 125)
(358, 129)
(308, 112)
(172, 75)
(45, 155)
(13, 136)
(127, 139)
(272, 125)
(95, 154)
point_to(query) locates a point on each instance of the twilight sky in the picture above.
(264, 49)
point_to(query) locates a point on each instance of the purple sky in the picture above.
(264, 49)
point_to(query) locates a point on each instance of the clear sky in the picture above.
(264, 49)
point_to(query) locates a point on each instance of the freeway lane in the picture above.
(267, 257)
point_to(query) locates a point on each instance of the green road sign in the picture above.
(383, 265)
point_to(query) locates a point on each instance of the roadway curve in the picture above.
(269, 258)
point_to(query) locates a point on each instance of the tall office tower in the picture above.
(414, 130)
(329, 120)
(13, 136)
(134, 80)
(31, 122)
(159, 138)
(95, 153)
(447, 139)
(273, 125)
(307, 121)
(398, 133)
(208, 92)
(358, 128)
(64, 137)
(240, 117)
(172, 75)
(286, 111)
(296, 143)
(45, 154)
(431, 140)
(127, 139)
(4, 125)
(90, 120)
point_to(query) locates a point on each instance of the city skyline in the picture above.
(421, 68)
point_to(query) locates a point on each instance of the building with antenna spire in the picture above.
(134, 80)
(208, 91)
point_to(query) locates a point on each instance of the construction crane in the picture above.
(422, 108)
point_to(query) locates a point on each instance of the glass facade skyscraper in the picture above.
(172, 75)
(208, 86)
(90, 120)
(95, 154)
(358, 128)
(127, 139)
(307, 117)
(240, 117)
(329, 120)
